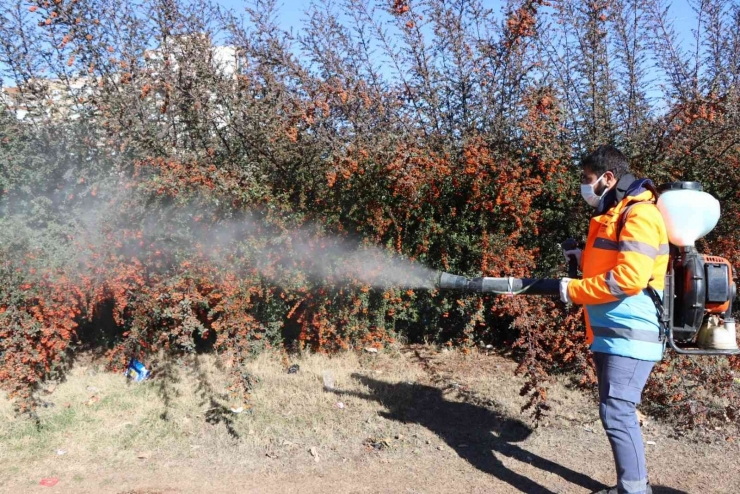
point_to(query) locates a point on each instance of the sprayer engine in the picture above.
(702, 286)
(699, 288)
(698, 299)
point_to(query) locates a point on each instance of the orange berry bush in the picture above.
(186, 182)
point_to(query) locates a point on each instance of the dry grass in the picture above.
(413, 420)
(98, 418)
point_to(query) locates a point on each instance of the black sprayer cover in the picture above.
(691, 294)
(680, 186)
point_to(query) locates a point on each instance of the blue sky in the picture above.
(291, 12)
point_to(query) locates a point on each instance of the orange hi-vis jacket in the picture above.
(627, 249)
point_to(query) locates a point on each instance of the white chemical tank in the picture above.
(689, 212)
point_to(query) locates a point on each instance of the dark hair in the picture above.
(606, 158)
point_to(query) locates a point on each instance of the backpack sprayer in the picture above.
(695, 313)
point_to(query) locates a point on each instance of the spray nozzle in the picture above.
(500, 286)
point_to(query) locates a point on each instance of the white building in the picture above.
(64, 99)
(52, 98)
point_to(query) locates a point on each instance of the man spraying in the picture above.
(623, 265)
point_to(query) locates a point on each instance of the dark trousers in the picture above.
(621, 380)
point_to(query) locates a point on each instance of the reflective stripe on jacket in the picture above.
(621, 318)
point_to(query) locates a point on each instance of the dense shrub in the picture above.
(165, 195)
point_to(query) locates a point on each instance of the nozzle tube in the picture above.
(528, 286)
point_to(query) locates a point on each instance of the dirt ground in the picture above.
(409, 420)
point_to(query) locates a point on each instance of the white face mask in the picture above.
(590, 196)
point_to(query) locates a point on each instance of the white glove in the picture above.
(572, 252)
(564, 290)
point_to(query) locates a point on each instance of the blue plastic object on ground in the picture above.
(136, 371)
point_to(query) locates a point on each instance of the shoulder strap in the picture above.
(623, 216)
(663, 321)
(659, 307)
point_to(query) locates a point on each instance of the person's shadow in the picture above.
(478, 433)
